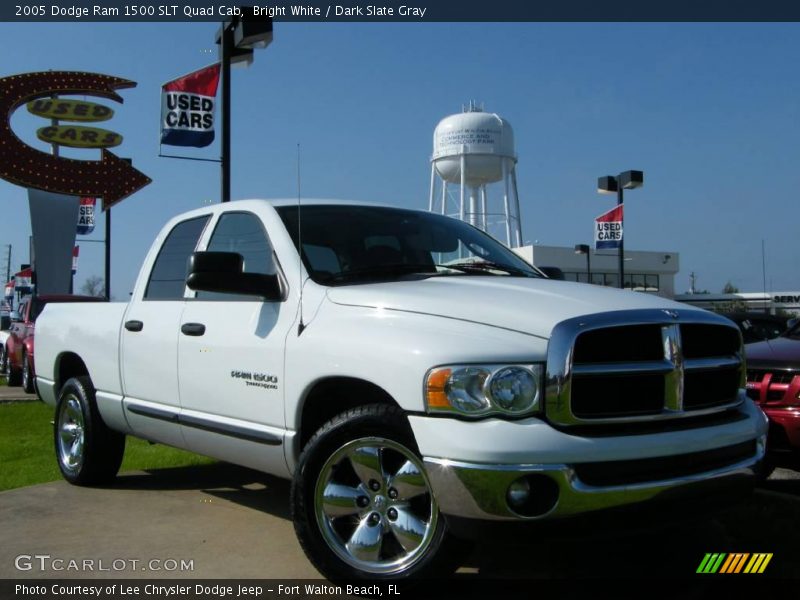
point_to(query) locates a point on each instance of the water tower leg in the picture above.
(484, 214)
(433, 186)
(474, 216)
(516, 206)
(463, 184)
(506, 204)
(444, 197)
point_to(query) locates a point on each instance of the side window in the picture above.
(168, 277)
(242, 233)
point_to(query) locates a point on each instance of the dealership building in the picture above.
(770, 302)
(645, 271)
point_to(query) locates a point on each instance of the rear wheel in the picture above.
(14, 374)
(27, 375)
(362, 505)
(88, 452)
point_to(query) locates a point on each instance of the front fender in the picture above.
(393, 350)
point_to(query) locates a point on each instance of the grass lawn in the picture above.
(27, 455)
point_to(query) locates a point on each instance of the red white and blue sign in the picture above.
(608, 229)
(86, 215)
(23, 281)
(187, 108)
(75, 251)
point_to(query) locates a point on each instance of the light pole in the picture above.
(585, 249)
(236, 38)
(609, 184)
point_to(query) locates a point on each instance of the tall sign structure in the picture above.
(55, 183)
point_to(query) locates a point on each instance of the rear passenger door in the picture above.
(149, 340)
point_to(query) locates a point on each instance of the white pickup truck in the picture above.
(408, 373)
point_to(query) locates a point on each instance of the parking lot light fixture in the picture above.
(608, 184)
(587, 250)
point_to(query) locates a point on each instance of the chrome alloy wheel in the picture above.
(26, 373)
(374, 505)
(71, 434)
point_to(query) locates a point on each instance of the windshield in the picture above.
(794, 331)
(347, 244)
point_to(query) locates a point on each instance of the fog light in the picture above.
(532, 495)
(519, 492)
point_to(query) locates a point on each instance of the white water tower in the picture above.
(474, 149)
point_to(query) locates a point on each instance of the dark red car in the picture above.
(773, 381)
(19, 354)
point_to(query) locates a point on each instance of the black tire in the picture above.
(27, 375)
(3, 361)
(393, 515)
(14, 375)
(87, 451)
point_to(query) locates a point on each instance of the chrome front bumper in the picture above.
(478, 491)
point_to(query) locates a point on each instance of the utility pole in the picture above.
(236, 38)
(8, 263)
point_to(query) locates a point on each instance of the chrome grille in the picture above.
(642, 365)
(779, 386)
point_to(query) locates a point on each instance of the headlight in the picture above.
(478, 390)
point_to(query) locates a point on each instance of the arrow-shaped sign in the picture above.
(111, 177)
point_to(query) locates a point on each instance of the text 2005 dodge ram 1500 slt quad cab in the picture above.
(405, 370)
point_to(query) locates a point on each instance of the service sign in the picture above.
(608, 229)
(86, 215)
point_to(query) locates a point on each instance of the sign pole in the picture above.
(621, 241)
(226, 44)
(107, 274)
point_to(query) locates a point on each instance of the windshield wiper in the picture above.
(487, 265)
(378, 271)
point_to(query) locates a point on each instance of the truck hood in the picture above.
(778, 353)
(531, 306)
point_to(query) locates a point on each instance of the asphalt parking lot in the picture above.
(221, 521)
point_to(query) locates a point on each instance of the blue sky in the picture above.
(708, 111)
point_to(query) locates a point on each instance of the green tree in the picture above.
(730, 289)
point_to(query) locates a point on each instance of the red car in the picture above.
(773, 381)
(19, 346)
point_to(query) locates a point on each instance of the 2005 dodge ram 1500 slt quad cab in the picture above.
(407, 371)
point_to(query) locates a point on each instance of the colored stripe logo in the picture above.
(737, 562)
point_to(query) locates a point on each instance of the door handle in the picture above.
(134, 325)
(193, 329)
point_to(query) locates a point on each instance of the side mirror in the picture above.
(223, 272)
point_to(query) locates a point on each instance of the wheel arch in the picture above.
(68, 365)
(328, 397)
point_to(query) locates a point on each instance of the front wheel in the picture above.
(362, 505)
(88, 452)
